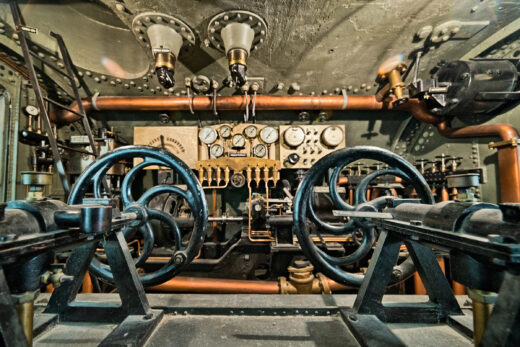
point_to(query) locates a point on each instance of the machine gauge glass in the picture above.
(294, 136)
(260, 151)
(269, 135)
(216, 150)
(238, 141)
(332, 136)
(208, 135)
(31, 110)
(225, 131)
(251, 131)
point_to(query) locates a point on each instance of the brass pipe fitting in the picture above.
(237, 56)
(303, 281)
(482, 302)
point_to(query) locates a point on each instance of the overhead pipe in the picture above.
(239, 102)
(225, 286)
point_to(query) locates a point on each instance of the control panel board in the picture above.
(294, 146)
(302, 145)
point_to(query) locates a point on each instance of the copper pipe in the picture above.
(508, 155)
(226, 286)
(217, 286)
(238, 102)
(87, 287)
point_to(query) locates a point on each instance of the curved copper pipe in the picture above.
(508, 155)
(238, 102)
(225, 286)
(504, 131)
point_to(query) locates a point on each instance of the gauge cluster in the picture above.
(295, 146)
(302, 145)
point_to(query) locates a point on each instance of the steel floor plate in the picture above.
(252, 320)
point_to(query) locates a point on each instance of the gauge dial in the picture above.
(238, 141)
(251, 131)
(294, 136)
(225, 131)
(260, 150)
(269, 135)
(208, 135)
(31, 110)
(216, 150)
(332, 136)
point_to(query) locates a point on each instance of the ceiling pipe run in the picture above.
(239, 102)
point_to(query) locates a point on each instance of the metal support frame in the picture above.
(369, 314)
(134, 315)
(15, 10)
(137, 320)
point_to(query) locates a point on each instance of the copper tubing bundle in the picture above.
(239, 102)
(225, 286)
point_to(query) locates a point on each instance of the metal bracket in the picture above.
(512, 142)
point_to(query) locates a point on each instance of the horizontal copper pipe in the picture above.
(238, 102)
(225, 286)
(504, 131)
(508, 155)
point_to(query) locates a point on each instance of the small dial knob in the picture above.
(332, 136)
(293, 158)
(294, 136)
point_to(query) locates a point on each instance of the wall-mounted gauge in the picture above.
(260, 150)
(269, 135)
(332, 136)
(251, 131)
(225, 131)
(208, 135)
(294, 136)
(31, 110)
(238, 141)
(216, 150)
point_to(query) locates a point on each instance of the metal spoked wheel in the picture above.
(303, 207)
(193, 194)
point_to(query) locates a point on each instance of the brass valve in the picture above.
(303, 281)
(390, 71)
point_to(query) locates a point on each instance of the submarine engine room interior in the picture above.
(234, 173)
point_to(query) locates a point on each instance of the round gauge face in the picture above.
(332, 136)
(260, 151)
(31, 110)
(294, 136)
(269, 135)
(208, 135)
(225, 131)
(251, 131)
(216, 150)
(238, 141)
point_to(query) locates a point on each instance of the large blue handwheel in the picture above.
(194, 196)
(304, 212)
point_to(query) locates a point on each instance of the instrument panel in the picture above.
(294, 146)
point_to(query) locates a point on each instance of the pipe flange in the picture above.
(219, 22)
(144, 20)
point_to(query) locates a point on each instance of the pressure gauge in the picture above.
(31, 110)
(260, 150)
(238, 141)
(225, 131)
(332, 136)
(208, 135)
(251, 131)
(216, 150)
(269, 135)
(294, 136)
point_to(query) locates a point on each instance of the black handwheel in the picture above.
(303, 209)
(194, 195)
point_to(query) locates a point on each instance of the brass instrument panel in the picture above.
(302, 145)
(290, 146)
